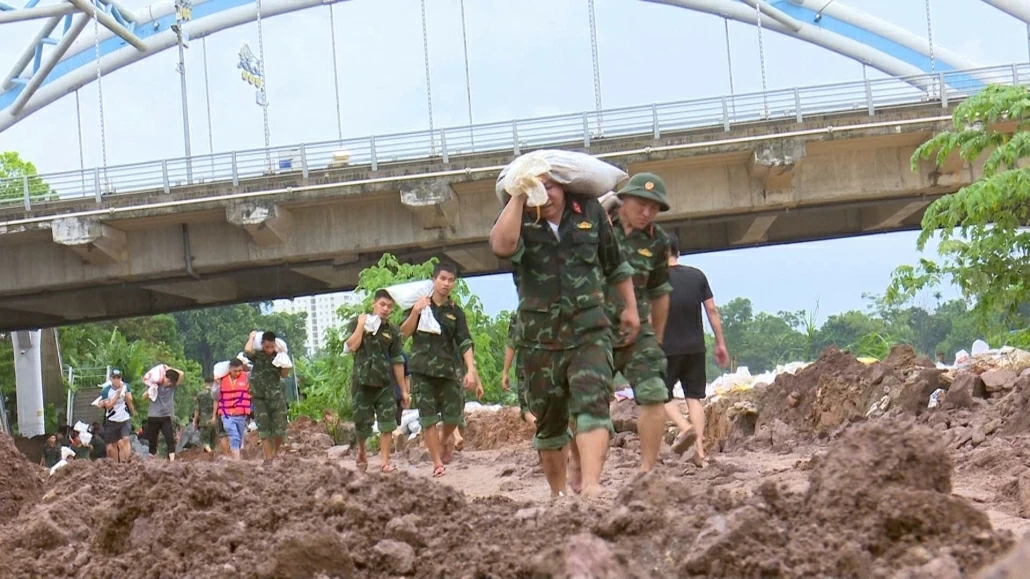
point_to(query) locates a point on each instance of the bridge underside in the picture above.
(753, 186)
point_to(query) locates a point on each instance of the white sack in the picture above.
(280, 344)
(282, 360)
(221, 370)
(152, 378)
(576, 172)
(372, 323)
(405, 295)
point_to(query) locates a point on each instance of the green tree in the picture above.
(984, 245)
(13, 174)
(214, 334)
(292, 328)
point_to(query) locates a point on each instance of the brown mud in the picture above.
(803, 481)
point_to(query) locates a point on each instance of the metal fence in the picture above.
(573, 130)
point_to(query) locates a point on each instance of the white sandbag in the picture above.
(406, 295)
(152, 378)
(610, 201)
(85, 437)
(576, 172)
(980, 347)
(221, 370)
(282, 360)
(280, 344)
(81, 427)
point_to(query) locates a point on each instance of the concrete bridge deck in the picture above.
(312, 230)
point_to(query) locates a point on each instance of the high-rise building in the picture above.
(321, 310)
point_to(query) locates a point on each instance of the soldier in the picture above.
(437, 361)
(564, 253)
(267, 394)
(510, 359)
(646, 248)
(376, 355)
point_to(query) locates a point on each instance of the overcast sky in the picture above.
(526, 58)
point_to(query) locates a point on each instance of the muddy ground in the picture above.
(805, 478)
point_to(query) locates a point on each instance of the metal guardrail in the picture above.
(516, 136)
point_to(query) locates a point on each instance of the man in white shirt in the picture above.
(116, 400)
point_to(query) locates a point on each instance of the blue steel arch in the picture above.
(210, 16)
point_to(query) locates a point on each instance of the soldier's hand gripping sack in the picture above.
(577, 173)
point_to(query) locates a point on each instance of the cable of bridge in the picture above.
(469, 171)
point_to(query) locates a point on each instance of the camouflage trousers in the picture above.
(520, 385)
(643, 365)
(563, 384)
(438, 400)
(270, 415)
(210, 433)
(372, 403)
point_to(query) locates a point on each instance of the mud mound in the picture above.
(490, 430)
(21, 482)
(297, 519)
(820, 399)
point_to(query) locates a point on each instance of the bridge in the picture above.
(779, 167)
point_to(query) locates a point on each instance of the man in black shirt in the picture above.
(684, 345)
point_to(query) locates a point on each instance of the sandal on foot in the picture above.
(387, 468)
(439, 472)
(362, 465)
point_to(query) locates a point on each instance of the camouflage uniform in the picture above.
(209, 433)
(520, 383)
(437, 367)
(372, 379)
(563, 330)
(643, 362)
(267, 396)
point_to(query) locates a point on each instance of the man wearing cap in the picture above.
(565, 254)
(642, 362)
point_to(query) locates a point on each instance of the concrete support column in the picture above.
(433, 202)
(267, 223)
(95, 242)
(28, 377)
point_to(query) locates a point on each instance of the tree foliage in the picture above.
(984, 245)
(13, 173)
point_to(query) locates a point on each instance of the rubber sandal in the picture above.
(439, 472)
(387, 468)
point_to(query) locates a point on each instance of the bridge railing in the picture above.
(569, 130)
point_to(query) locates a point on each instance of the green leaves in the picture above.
(12, 185)
(984, 247)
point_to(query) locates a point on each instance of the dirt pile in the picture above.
(304, 438)
(21, 482)
(834, 391)
(490, 430)
(878, 503)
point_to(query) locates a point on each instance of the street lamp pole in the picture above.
(183, 12)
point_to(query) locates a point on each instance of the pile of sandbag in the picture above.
(984, 359)
(577, 173)
(742, 380)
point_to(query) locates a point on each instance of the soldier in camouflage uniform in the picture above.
(510, 359)
(267, 393)
(376, 356)
(205, 409)
(436, 364)
(646, 247)
(565, 254)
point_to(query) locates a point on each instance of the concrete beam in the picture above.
(757, 231)
(433, 202)
(203, 291)
(333, 276)
(893, 215)
(473, 258)
(95, 242)
(267, 223)
(772, 168)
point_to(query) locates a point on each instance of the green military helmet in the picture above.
(647, 186)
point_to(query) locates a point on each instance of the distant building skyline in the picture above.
(321, 310)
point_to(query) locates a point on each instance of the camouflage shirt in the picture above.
(562, 279)
(205, 403)
(374, 359)
(440, 355)
(647, 251)
(266, 381)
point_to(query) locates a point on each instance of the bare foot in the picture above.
(439, 471)
(685, 440)
(575, 476)
(447, 455)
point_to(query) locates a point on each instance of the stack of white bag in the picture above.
(577, 173)
(282, 358)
